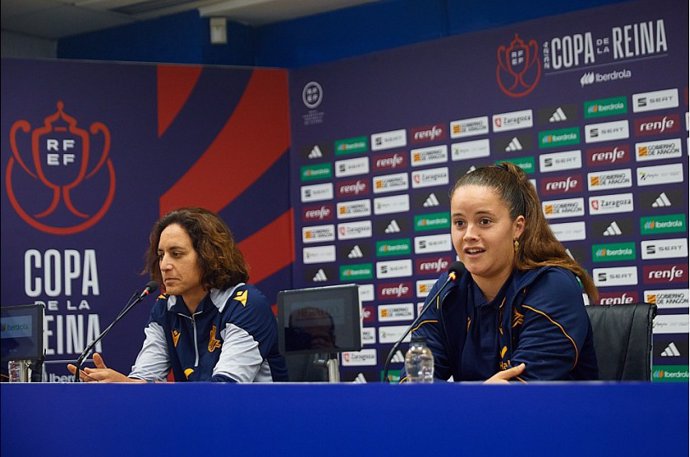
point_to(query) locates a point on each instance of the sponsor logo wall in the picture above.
(592, 105)
(94, 153)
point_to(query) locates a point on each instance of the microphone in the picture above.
(455, 272)
(151, 286)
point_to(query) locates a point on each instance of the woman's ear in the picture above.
(518, 227)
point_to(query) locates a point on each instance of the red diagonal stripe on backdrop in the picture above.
(175, 83)
(260, 251)
(254, 137)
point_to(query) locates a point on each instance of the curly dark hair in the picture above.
(538, 245)
(221, 262)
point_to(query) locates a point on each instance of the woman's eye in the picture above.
(485, 221)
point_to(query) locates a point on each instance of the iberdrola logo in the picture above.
(519, 68)
(59, 178)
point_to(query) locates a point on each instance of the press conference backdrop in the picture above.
(592, 105)
(93, 153)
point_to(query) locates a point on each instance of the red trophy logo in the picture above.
(519, 69)
(59, 156)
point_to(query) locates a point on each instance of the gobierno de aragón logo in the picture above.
(60, 179)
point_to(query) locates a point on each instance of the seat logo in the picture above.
(58, 167)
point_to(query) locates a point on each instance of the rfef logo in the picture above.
(65, 162)
(518, 68)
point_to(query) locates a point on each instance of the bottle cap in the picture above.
(418, 339)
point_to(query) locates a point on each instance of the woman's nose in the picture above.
(469, 232)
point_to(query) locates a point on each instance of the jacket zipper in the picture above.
(196, 343)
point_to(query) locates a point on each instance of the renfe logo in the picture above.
(389, 161)
(665, 273)
(561, 185)
(432, 265)
(429, 133)
(317, 213)
(618, 298)
(655, 125)
(394, 290)
(608, 155)
(353, 187)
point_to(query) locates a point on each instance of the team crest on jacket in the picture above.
(213, 343)
(518, 318)
(241, 297)
(175, 337)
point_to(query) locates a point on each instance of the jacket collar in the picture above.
(216, 297)
(517, 281)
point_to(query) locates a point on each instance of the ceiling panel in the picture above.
(54, 19)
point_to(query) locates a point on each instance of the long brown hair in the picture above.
(221, 262)
(538, 245)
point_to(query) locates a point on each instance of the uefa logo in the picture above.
(60, 179)
(518, 68)
(312, 95)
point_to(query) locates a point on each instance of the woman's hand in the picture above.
(504, 376)
(101, 373)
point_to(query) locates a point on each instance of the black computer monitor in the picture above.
(319, 320)
(21, 333)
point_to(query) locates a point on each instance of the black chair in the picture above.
(623, 340)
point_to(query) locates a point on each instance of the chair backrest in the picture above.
(623, 340)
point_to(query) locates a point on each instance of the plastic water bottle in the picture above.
(419, 361)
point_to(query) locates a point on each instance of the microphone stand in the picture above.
(452, 275)
(130, 304)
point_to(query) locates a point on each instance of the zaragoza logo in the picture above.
(519, 67)
(57, 187)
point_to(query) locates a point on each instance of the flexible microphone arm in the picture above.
(456, 270)
(151, 286)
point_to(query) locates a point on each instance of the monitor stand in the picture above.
(333, 371)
